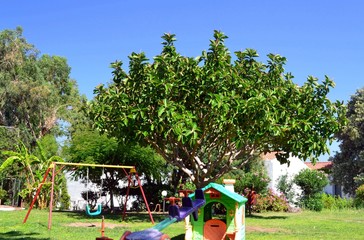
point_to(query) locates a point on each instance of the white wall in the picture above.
(275, 169)
(78, 203)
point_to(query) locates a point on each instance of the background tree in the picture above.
(252, 176)
(209, 114)
(36, 92)
(349, 161)
(88, 146)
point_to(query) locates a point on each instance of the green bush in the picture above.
(336, 202)
(3, 194)
(312, 183)
(271, 202)
(313, 202)
(285, 185)
(359, 197)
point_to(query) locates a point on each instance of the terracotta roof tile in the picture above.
(268, 156)
(319, 165)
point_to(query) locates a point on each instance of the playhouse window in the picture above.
(215, 210)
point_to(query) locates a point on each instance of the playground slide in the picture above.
(176, 214)
(188, 206)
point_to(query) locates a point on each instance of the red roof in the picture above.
(268, 156)
(319, 165)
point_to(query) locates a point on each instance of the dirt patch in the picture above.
(9, 208)
(96, 224)
(262, 229)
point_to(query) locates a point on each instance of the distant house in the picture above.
(275, 170)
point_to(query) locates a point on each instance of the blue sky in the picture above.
(318, 38)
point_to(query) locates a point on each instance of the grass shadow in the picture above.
(179, 237)
(117, 216)
(265, 217)
(20, 235)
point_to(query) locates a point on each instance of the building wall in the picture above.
(275, 169)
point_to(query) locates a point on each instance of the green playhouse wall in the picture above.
(205, 213)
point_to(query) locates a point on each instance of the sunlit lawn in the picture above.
(345, 224)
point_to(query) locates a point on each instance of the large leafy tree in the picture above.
(35, 91)
(349, 161)
(210, 114)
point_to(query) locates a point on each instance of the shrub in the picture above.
(285, 185)
(313, 202)
(336, 202)
(312, 183)
(271, 202)
(3, 194)
(359, 196)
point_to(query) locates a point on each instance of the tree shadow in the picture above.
(20, 235)
(265, 217)
(116, 215)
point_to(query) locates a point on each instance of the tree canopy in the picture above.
(213, 113)
(35, 90)
(348, 165)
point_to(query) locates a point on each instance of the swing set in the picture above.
(131, 184)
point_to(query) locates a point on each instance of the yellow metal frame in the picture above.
(94, 165)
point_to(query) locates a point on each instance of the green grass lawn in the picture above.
(345, 224)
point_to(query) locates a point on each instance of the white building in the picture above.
(275, 170)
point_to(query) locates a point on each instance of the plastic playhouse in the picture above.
(205, 224)
(228, 224)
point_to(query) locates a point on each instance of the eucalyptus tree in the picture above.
(35, 90)
(213, 113)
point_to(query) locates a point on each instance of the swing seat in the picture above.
(97, 212)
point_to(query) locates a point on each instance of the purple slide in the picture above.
(189, 206)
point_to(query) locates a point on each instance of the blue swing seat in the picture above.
(97, 212)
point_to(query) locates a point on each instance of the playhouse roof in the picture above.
(233, 195)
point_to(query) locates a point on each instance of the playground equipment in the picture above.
(206, 223)
(176, 214)
(99, 206)
(53, 167)
(227, 225)
(103, 237)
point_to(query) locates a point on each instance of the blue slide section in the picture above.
(176, 214)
